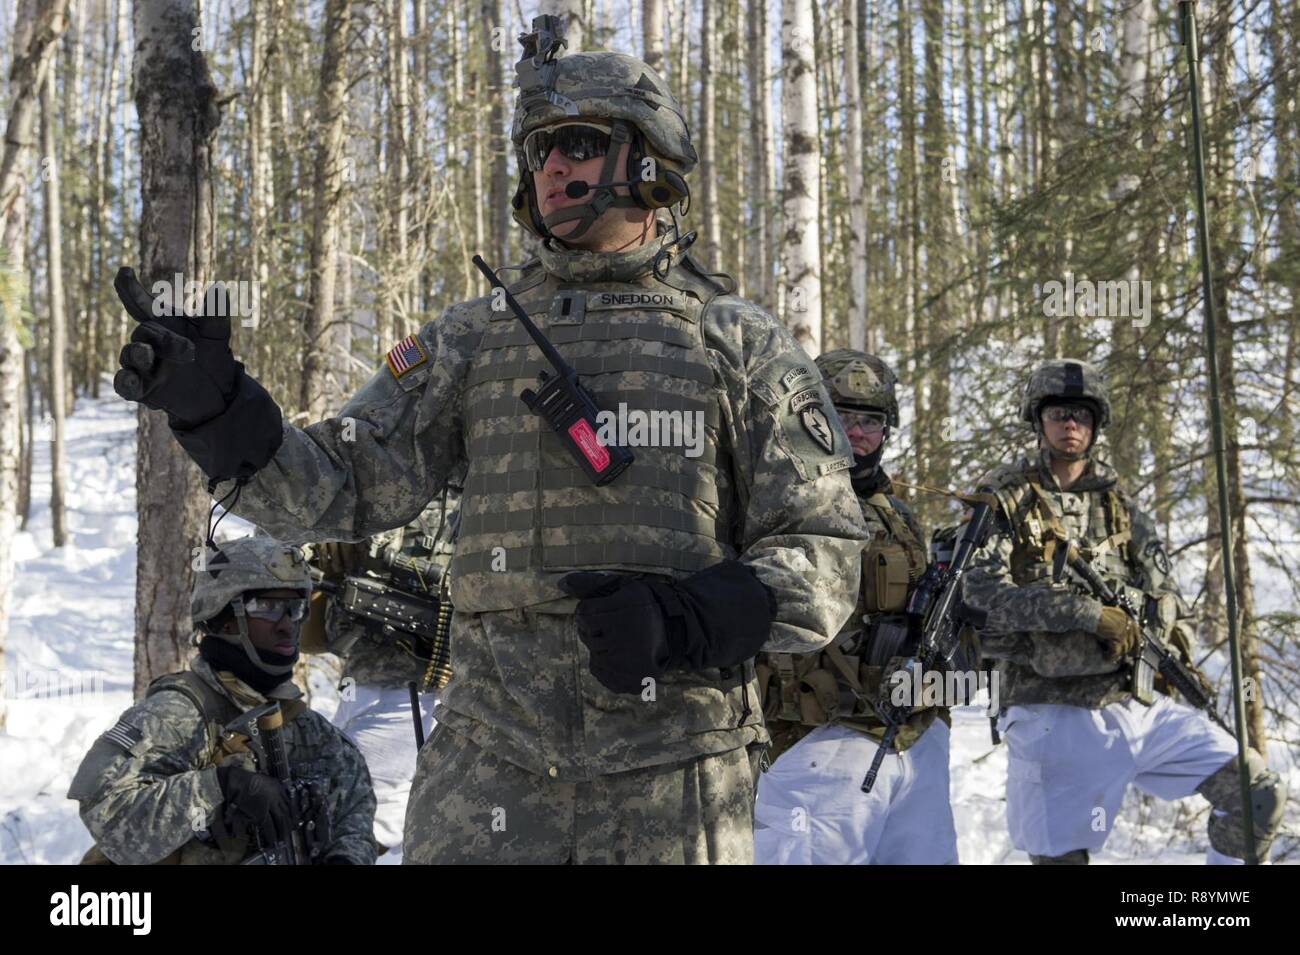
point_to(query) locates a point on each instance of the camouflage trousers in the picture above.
(468, 805)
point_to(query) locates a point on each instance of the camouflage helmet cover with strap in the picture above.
(1065, 379)
(857, 380)
(237, 568)
(613, 89)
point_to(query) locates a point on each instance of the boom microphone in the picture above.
(580, 187)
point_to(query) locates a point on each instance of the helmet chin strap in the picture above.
(604, 197)
(246, 642)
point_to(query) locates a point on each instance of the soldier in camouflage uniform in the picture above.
(820, 706)
(166, 784)
(381, 658)
(603, 705)
(1077, 735)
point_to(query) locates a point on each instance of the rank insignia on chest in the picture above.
(405, 355)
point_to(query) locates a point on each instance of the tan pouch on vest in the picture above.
(311, 638)
(885, 577)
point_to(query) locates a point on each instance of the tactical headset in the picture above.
(666, 188)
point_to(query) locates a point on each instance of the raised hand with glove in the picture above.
(637, 627)
(182, 364)
(1118, 633)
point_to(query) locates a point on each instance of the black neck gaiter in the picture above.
(223, 655)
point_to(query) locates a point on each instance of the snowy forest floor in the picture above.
(69, 663)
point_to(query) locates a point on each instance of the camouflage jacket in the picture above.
(768, 487)
(376, 659)
(845, 680)
(1042, 618)
(159, 799)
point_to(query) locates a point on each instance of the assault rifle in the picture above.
(1152, 656)
(309, 826)
(937, 603)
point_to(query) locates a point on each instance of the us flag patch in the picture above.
(405, 355)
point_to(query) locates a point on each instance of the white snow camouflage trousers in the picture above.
(1069, 767)
(378, 720)
(811, 809)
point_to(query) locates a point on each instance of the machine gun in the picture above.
(310, 830)
(936, 602)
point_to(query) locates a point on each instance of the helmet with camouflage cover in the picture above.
(1065, 379)
(611, 90)
(858, 380)
(237, 568)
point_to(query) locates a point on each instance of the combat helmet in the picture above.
(610, 90)
(234, 569)
(1066, 378)
(860, 381)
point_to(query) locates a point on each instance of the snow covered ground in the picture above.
(69, 663)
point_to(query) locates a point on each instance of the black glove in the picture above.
(257, 800)
(183, 365)
(180, 364)
(637, 628)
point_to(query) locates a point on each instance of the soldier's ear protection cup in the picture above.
(667, 188)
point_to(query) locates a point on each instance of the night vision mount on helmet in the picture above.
(861, 382)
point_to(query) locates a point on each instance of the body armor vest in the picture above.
(1040, 528)
(1037, 529)
(528, 513)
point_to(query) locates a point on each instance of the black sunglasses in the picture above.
(577, 142)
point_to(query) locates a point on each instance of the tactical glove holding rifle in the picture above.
(937, 604)
(295, 826)
(1151, 656)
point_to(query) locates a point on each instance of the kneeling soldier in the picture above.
(223, 763)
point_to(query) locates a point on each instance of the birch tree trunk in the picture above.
(801, 245)
(324, 379)
(908, 207)
(932, 397)
(102, 166)
(652, 34)
(496, 93)
(399, 165)
(58, 316)
(707, 144)
(857, 175)
(762, 187)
